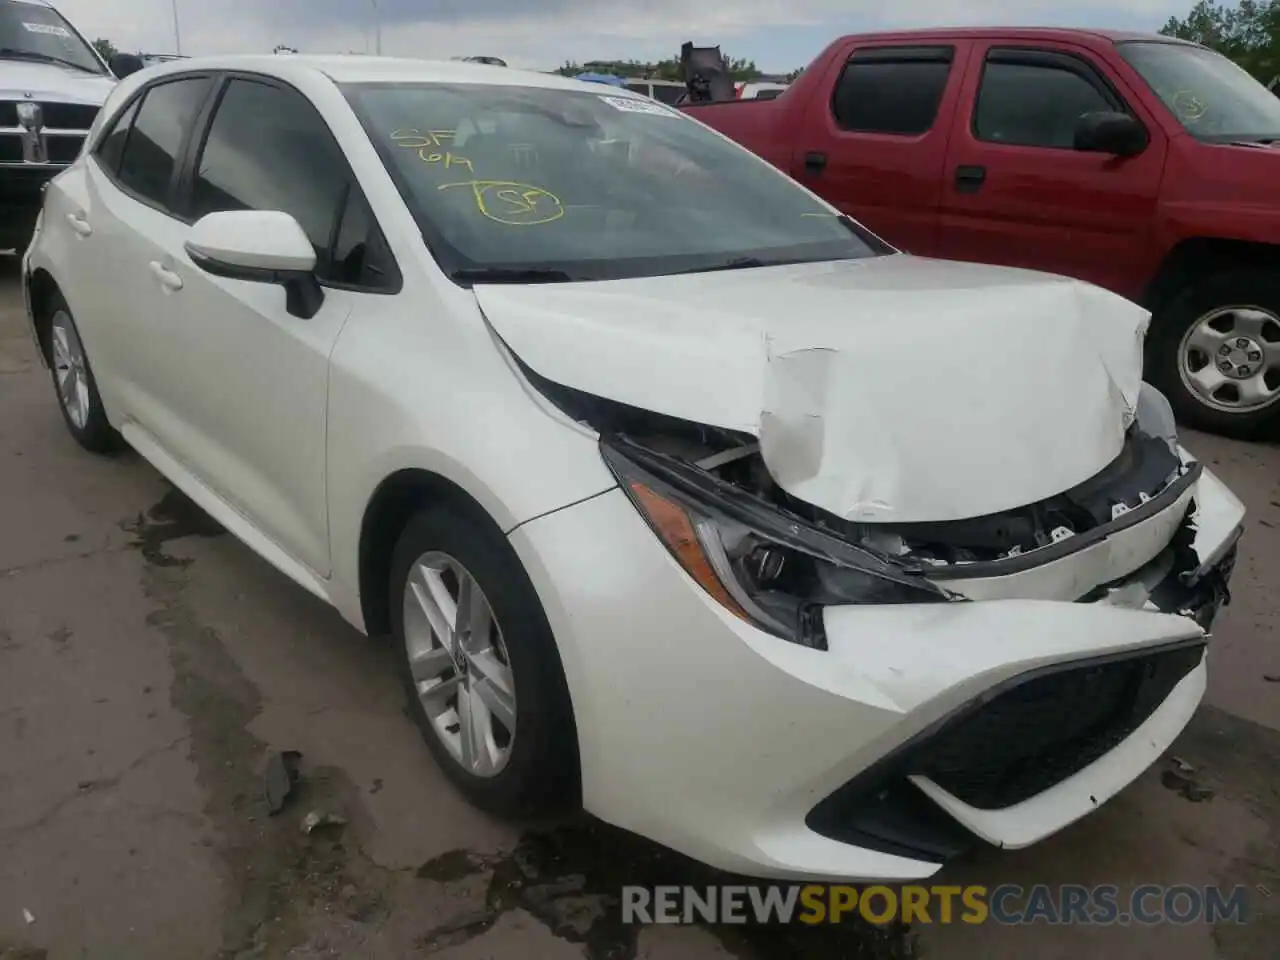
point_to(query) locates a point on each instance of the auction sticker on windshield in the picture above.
(634, 105)
(48, 28)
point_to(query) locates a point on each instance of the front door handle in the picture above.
(815, 161)
(168, 279)
(970, 179)
(80, 225)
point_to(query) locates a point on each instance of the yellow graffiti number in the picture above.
(511, 203)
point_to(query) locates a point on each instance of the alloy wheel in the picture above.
(459, 664)
(70, 369)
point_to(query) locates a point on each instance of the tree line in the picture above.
(740, 69)
(1248, 33)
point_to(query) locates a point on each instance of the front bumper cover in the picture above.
(713, 738)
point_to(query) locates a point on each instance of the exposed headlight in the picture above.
(773, 570)
(1154, 416)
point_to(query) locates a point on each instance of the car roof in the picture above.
(359, 68)
(36, 3)
(1019, 33)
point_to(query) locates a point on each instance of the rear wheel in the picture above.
(73, 382)
(1214, 351)
(480, 666)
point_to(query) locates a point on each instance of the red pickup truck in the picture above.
(1145, 165)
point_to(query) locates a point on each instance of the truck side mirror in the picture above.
(1104, 131)
(124, 64)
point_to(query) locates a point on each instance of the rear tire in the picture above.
(1214, 351)
(73, 381)
(532, 768)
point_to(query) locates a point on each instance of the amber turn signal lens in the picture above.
(673, 525)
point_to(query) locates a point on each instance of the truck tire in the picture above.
(1214, 351)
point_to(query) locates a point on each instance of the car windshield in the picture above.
(1210, 96)
(550, 184)
(30, 31)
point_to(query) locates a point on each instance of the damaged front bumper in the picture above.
(772, 759)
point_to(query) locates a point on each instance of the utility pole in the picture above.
(377, 27)
(177, 32)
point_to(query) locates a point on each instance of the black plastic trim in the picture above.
(826, 817)
(984, 569)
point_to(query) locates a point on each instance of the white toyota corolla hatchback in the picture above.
(681, 494)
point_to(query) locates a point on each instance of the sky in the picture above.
(778, 35)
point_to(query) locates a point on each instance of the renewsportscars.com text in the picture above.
(1006, 904)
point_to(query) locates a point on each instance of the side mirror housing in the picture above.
(1104, 131)
(125, 64)
(259, 246)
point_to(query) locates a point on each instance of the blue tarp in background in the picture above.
(602, 78)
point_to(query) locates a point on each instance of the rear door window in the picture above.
(894, 90)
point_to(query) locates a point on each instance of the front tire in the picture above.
(74, 384)
(1214, 351)
(480, 667)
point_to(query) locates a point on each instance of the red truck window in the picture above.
(1034, 98)
(893, 90)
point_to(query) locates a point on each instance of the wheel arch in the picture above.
(1193, 259)
(41, 289)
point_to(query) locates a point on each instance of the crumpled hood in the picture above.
(50, 82)
(890, 389)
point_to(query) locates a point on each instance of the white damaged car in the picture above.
(680, 494)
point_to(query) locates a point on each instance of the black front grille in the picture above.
(1036, 734)
(10, 148)
(69, 116)
(63, 149)
(60, 116)
(1008, 746)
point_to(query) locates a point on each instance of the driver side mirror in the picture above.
(1104, 131)
(125, 64)
(259, 246)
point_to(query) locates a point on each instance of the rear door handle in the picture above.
(970, 179)
(80, 225)
(168, 279)
(815, 162)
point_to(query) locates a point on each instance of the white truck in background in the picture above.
(52, 85)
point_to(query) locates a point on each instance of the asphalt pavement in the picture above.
(150, 666)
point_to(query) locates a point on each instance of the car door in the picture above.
(876, 149)
(245, 382)
(123, 215)
(1019, 194)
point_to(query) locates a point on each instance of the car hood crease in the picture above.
(890, 389)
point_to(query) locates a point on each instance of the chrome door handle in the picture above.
(168, 279)
(79, 224)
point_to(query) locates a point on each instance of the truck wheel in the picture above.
(1214, 350)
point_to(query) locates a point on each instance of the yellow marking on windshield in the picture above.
(512, 203)
(415, 139)
(1188, 106)
(446, 159)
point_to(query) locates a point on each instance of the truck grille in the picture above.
(57, 116)
(57, 142)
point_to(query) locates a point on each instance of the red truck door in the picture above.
(1016, 193)
(877, 146)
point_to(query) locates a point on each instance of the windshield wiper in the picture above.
(13, 53)
(737, 263)
(511, 275)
